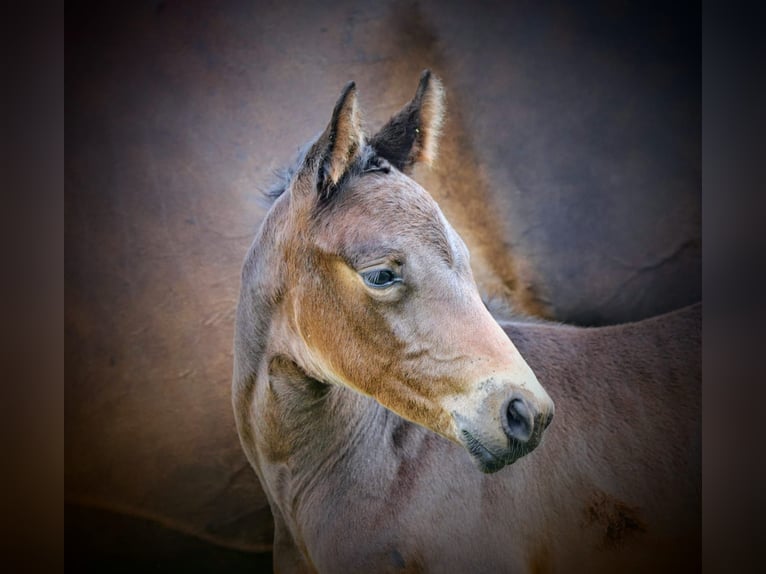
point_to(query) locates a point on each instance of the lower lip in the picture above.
(488, 462)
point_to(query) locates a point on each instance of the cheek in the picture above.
(348, 330)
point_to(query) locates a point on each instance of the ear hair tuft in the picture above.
(431, 95)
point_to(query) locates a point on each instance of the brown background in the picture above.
(579, 123)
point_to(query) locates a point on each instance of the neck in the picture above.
(335, 463)
(319, 423)
(318, 439)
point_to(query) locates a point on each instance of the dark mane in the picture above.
(367, 161)
(283, 176)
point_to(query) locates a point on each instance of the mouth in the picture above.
(487, 461)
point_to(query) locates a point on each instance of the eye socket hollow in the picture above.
(380, 278)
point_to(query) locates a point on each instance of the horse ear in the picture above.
(412, 135)
(341, 140)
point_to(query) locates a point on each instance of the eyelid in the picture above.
(392, 263)
(379, 263)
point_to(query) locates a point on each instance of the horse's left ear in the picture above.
(341, 141)
(412, 135)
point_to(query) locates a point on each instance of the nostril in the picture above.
(548, 419)
(520, 420)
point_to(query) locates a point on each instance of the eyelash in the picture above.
(380, 278)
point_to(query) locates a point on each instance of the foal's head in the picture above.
(378, 294)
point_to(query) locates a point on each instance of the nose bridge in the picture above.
(505, 366)
(487, 339)
(495, 366)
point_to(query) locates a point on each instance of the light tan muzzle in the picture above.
(504, 415)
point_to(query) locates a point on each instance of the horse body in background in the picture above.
(371, 386)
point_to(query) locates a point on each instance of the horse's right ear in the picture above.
(339, 144)
(412, 135)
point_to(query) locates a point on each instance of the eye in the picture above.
(380, 278)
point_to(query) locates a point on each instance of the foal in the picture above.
(371, 386)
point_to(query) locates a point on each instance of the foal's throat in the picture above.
(311, 421)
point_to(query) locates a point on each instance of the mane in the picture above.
(282, 177)
(366, 161)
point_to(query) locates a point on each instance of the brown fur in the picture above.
(330, 373)
(615, 519)
(555, 501)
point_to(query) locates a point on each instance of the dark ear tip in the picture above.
(348, 89)
(428, 82)
(348, 93)
(425, 76)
